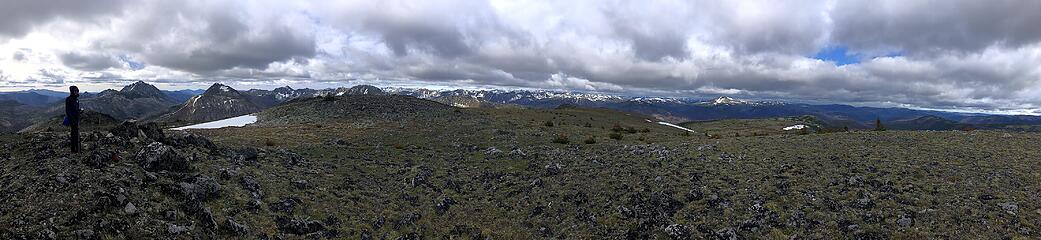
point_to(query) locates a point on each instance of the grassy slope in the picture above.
(805, 185)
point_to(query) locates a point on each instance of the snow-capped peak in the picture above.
(724, 100)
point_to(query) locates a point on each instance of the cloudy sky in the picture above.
(933, 54)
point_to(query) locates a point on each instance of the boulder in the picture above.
(101, 158)
(130, 209)
(904, 221)
(554, 169)
(286, 205)
(247, 154)
(251, 185)
(228, 173)
(301, 184)
(298, 226)
(174, 229)
(236, 228)
(202, 189)
(157, 156)
(444, 205)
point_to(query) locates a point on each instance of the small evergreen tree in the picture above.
(878, 125)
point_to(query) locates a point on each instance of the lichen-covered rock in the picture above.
(157, 156)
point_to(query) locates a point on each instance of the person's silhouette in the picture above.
(72, 116)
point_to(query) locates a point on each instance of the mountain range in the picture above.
(34, 97)
(680, 110)
(143, 101)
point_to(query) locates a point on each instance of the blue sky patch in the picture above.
(134, 65)
(840, 55)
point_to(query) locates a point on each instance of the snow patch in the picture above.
(230, 122)
(676, 126)
(795, 127)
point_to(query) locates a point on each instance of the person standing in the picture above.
(72, 117)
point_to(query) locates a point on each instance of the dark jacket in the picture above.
(72, 109)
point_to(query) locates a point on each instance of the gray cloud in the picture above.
(89, 61)
(18, 17)
(426, 27)
(203, 37)
(936, 26)
(798, 26)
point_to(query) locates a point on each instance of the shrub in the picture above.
(588, 125)
(548, 123)
(561, 139)
(645, 130)
(590, 140)
(615, 136)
